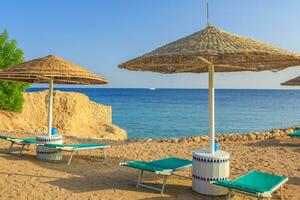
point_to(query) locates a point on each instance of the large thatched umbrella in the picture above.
(292, 82)
(50, 69)
(213, 50)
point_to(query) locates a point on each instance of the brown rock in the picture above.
(204, 138)
(197, 139)
(174, 140)
(73, 115)
(251, 136)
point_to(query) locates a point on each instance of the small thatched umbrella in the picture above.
(50, 69)
(213, 50)
(292, 82)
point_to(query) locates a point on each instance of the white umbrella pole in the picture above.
(50, 107)
(211, 99)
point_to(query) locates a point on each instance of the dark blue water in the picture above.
(184, 112)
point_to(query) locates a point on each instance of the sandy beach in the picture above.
(95, 178)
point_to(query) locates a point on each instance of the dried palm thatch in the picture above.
(228, 52)
(41, 70)
(292, 82)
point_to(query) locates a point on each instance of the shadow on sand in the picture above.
(294, 181)
(275, 143)
(94, 174)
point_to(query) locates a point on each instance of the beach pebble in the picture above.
(261, 137)
(197, 139)
(181, 140)
(204, 138)
(175, 140)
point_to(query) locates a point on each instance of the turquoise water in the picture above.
(184, 112)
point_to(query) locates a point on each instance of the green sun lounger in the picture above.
(75, 148)
(254, 183)
(165, 167)
(18, 141)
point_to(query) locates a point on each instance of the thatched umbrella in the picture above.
(50, 69)
(213, 50)
(292, 82)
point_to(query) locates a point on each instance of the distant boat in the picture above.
(152, 88)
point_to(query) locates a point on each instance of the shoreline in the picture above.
(226, 137)
(222, 137)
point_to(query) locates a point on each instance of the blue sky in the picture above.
(100, 34)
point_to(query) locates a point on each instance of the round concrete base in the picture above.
(45, 153)
(207, 168)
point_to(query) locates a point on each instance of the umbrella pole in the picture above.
(50, 107)
(211, 99)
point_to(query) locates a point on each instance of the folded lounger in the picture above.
(74, 148)
(165, 167)
(254, 183)
(19, 141)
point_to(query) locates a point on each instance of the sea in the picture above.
(169, 113)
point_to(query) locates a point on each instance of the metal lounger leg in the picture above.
(28, 146)
(23, 145)
(71, 156)
(10, 148)
(140, 184)
(229, 195)
(140, 178)
(164, 185)
(281, 193)
(90, 155)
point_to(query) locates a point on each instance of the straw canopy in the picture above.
(227, 52)
(42, 70)
(292, 82)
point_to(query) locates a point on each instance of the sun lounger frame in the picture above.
(164, 173)
(18, 141)
(75, 150)
(259, 196)
(159, 189)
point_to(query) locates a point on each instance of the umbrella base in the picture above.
(209, 167)
(45, 153)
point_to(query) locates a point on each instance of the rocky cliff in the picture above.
(73, 115)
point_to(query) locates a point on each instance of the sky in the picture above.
(100, 34)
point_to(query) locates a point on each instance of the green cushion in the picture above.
(22, 140)
(85, 145)
(29, 140)
(162, 165)
(295, 134)
(254, 182)
(171, 163)
(142, 166)
(6, 137)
